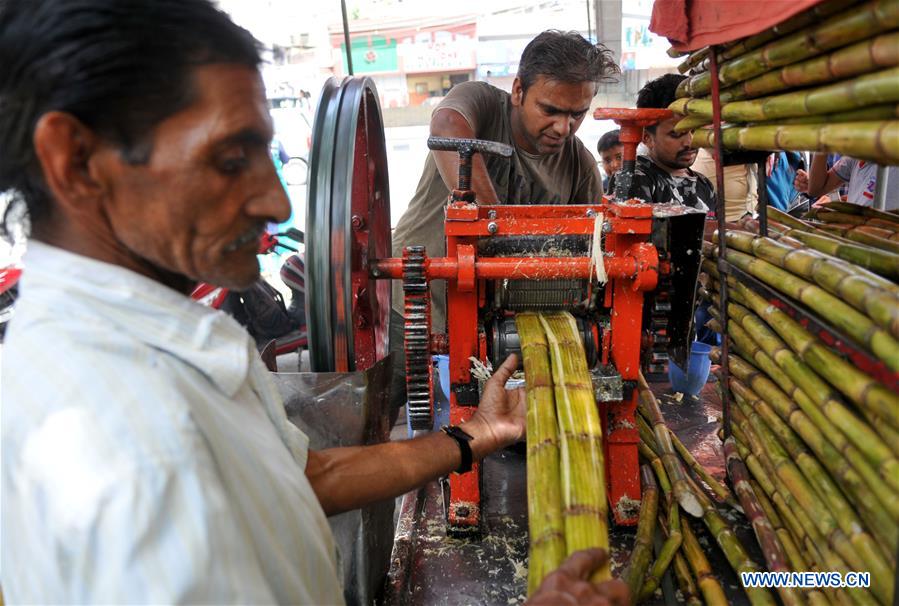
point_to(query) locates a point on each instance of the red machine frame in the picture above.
(632, 267)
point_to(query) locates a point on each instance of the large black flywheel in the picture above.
(347, 224)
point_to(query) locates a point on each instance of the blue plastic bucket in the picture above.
(697, 371)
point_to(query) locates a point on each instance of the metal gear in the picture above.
(417, 333)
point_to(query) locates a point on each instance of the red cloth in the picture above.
(692, 24)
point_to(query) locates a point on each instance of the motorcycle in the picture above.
(9, 291)
(261, 307)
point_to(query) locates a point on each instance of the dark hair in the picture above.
(659, 93)
(119, 66)
(566, 57)
(608, 140)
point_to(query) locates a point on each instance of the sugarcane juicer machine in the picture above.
(500, 260)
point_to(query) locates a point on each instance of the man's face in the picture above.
(199, 205)
(668, 148)
(611, 160)
(548, 113)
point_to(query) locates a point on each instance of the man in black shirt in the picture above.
(664, 174)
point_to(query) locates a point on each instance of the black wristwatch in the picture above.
(462, 439)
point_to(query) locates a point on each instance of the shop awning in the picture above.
(693, 24)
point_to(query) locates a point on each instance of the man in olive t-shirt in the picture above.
(557, 79)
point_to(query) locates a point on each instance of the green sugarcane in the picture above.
(818, 395)
(870, 19)
(666, 554)
(585, 510)
(711, 589)
(887, 111)
(773, 551)
(872, 140)
(880, 305)
(878, 261)
(876, 88)
(789, 496)
(546, 528)
(878, 504)
(828, 215)
(847, 319)
(685, 581)
(816, 476)
(808, 500)
(646, 524)
(865, 211)
(784, 536)
(856, 59)
(867, 291)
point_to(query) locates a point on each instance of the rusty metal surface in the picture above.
(429, 568)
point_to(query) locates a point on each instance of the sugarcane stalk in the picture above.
(820, 480)
(880, 262)
(783, 497)
(546, 527)
(717, 487)
(862, 57)
(847, 319)
(787, 541)
(819, 513)
(873, 241)
(646, 524)
(870, 140)
(870, 19)
(865, 211)
(887, 111)
(880, 305)
(827, 215)
(711, 589)
(877, 232)
(877, 503)
(774, 554)
(665, 555)
(814, 396)
(649, 407)
(585, 510)
(685, 580)
(880, 87)
(868, 394)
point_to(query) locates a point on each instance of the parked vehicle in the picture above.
(9, 290)
(261, 307)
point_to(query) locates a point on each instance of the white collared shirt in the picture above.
(147, 457)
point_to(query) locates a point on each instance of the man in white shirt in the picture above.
(860, 175)
(146, 454)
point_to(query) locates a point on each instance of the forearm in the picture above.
(349, 478)
(820, 180)
(450, 123)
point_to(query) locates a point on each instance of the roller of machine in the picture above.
(500, 260)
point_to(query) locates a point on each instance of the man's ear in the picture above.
(648, 139)
(517, 92)
(64, 146)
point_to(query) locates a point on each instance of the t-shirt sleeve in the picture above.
(843, 168)
(474, 101)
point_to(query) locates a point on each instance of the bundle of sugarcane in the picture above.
(567, 506)
(830, 86)
(823, 454)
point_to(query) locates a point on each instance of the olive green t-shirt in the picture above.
(570, 176)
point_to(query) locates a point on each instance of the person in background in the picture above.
(558, 76)
(664, 175)
(610, 154)
(860, 177)
(783, 168)
(740, 185)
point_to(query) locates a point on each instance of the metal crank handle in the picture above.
(469, 146)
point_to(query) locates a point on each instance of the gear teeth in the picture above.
(417, 333)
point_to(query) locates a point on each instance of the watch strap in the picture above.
(462, 439)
